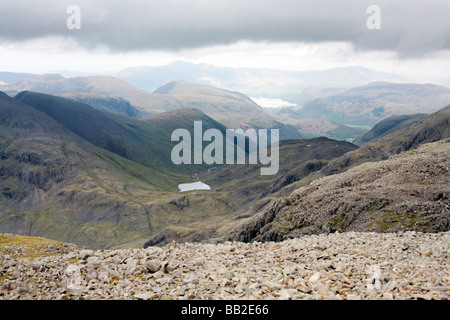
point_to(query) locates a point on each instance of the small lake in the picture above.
(193, 186)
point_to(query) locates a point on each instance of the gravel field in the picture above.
(340, 266)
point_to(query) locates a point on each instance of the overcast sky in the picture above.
(286, 34)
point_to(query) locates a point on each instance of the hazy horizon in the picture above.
(283, 35)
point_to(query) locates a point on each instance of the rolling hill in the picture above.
(104, 85)
(233, 109)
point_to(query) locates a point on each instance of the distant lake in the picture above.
(193, 186)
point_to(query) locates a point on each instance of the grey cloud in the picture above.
(413, 28)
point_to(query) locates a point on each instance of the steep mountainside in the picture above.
(104, 103)
(145, 141)
(388, 126)
(56, 184)
(90, 124)
(433, 128)
(409, 191)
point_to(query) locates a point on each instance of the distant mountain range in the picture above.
(368, 104)
(254, 82)
(337, 112)
(233, 109)
(11, 77)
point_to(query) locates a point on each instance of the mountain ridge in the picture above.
(389, 125)
(374, 196)
(282, 83)
(233, 109)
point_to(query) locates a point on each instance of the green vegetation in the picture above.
(58, 185)
(390, 125)
(105, 180)
(390, 220)
(298, 160)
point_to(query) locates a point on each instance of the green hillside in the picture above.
(56, 184)
(388, 126)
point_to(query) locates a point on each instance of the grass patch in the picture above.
(392, 220)
(26, 248)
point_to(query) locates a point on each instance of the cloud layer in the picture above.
(412, 28)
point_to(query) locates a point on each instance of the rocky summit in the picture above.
(343, 266)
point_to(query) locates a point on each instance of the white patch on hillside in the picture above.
(272, 103)
(193, 186)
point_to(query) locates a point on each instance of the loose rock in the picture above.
(349, 266)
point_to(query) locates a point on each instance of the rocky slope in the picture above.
(435, 127)
(304, 161)
(409, 191)
(347, 266)
(103, 102)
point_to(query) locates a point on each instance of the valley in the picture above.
(87, 160)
